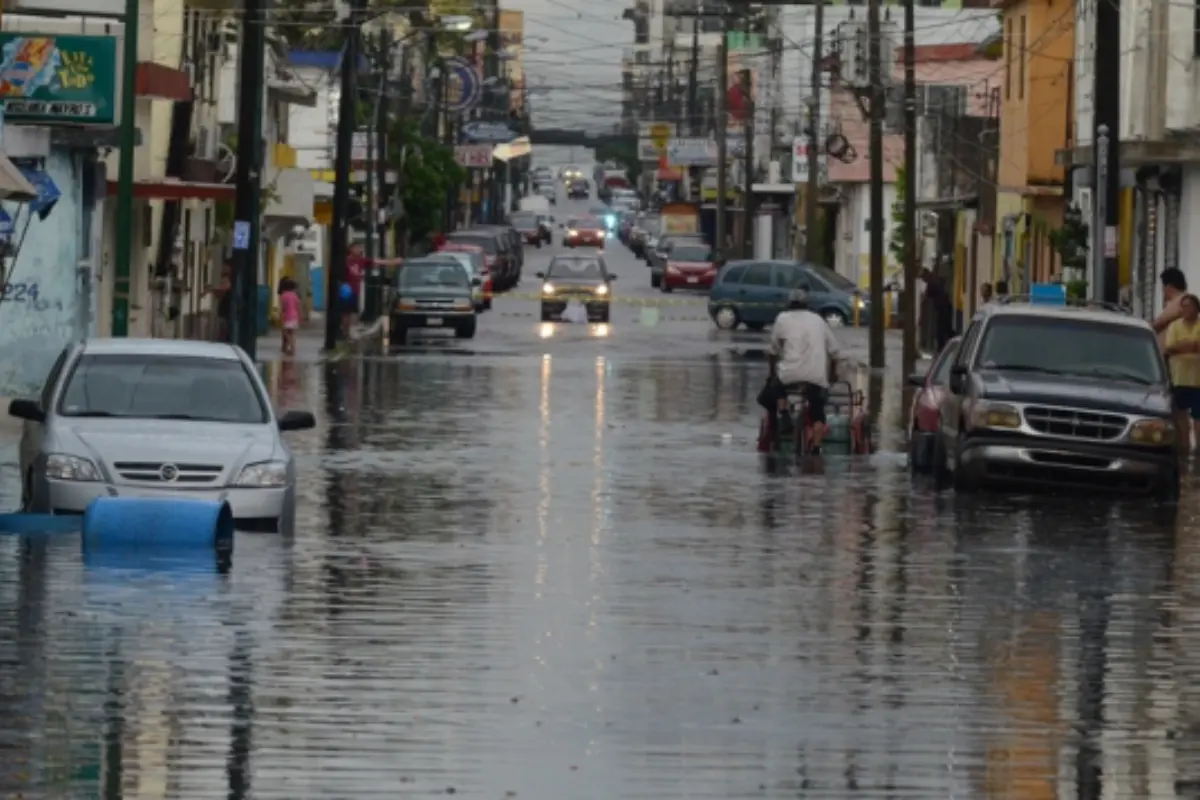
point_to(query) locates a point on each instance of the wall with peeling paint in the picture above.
(35, 325)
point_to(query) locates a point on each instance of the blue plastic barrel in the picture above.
(153, 523)
(316, 274)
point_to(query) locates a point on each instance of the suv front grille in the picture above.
(1075, 424)
(153, 472)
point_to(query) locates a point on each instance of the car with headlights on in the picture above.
(582, 278)
(585, 232)
(158, 418)
(578, 190)
(434, 293)
(1058, 396)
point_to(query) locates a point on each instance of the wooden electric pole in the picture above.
(722, 123)
(812, 241)
(746, 246)
(909, 296)
(876, 96)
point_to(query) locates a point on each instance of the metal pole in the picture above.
(878, 224)
(124, 254)
(908, 296)
(747, 244)
(247, 202)
(722, 123)
(378, 224)
(1100, 277)
(812, 241)
(1107, 117)
(347, 106)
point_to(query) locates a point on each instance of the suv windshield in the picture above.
(575, 269)
(488, 243)
(834, 279)
(162, 387)
(1072, 347)
(433, 275)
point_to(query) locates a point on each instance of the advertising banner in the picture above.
(58, 79)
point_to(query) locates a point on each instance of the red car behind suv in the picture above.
(689, 266)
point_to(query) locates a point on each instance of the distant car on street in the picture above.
(585, 232)
(578, 190)
(434, 293)
(583, 278)
(158, 418)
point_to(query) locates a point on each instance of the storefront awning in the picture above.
(46, 190)
(13, 184)
(169, 189)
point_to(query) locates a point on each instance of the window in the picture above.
(1021, 59)
(1008, 37)
(970, 339)
(575, 269)
(733, 274)
(691, 251)
(162, 387)
(941, 373)
(835, 280)
(757, 275)
(52, 378)
(790, 276)
(433, 275)
(488, 244)
(1072, 347)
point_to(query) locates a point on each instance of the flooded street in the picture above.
(547, 563)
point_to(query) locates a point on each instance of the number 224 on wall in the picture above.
(19, 292)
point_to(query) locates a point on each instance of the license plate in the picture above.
(433, 322)
(693, 280)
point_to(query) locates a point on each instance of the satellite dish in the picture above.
(226, 162)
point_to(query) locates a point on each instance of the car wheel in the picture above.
(606, 316)
(1168, 486)
(916, 456)
(962, 483)
(666, 287)
(726, 318)
(546, 315)
(941, 472)
(655, 280)
(399, 335)
(465, 331)
(835, 318)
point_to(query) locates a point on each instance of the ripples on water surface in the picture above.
(555, 578)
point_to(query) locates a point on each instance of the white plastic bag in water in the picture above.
(575, 313)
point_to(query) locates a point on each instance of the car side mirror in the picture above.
(541, 275)
(958, 379)
(26, 409)
(297, 421)
(917, 379)
(477, 281)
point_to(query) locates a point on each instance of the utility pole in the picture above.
(722, 124)
(693, 173)
(875, 96)
(1106, 125)
(812, 242)
(746, 246)
(908, 296)
(247, 211)
(382, 122)
(124, 254)
(339, 236)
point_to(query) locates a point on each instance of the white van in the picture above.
(535, 203)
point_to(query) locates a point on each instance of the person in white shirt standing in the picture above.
(804, 356)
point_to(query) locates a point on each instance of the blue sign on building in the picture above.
(241, 235)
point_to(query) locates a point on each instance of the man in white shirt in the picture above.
(804, 353)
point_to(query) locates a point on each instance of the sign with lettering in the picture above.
(68, 79)
(474, 155)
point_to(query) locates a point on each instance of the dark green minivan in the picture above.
(433, 293)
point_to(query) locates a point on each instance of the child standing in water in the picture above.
(289, 305)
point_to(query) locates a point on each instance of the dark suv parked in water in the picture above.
(1058, 396)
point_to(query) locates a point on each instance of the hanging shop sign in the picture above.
(474, 155)
(63, 79)
(490, 132)
(466, 84)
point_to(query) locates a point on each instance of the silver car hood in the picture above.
(107, 441)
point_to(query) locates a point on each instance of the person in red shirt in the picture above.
(356, 272)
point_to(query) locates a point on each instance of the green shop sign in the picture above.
(63, 79)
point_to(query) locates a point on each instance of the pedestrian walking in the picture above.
(938, 309)
(1183, 350)
(289, 305)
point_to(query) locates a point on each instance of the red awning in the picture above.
(168, 189)
(161, 82)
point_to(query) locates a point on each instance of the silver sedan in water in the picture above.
(158, 418)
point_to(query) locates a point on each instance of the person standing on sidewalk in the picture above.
(1174, 288)
(1183, 350)
(351, 289)
(289, 306)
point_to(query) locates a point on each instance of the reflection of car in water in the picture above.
(581, 278)
(433, 293)
(931, 389)
(158, 418)
(1058, 396)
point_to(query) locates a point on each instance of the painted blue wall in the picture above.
(33, 330)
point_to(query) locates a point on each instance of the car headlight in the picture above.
(602, 289)
(263, 475)
(1152, 431)
(547, 288)
(62, 467)
(406, 305)
(463, 305)
(859, 302)
(995, 415)
(610, 221)
(572, 232)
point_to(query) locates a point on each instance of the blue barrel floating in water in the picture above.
(158, 523)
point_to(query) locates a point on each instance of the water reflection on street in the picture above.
(568, 575)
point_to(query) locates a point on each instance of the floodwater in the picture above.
(552, 567)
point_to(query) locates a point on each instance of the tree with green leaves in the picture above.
(899, 219)
(429, 176)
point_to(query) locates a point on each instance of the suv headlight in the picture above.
(263, 475)
(1152, 431)
(62, 467)
(995, 415)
